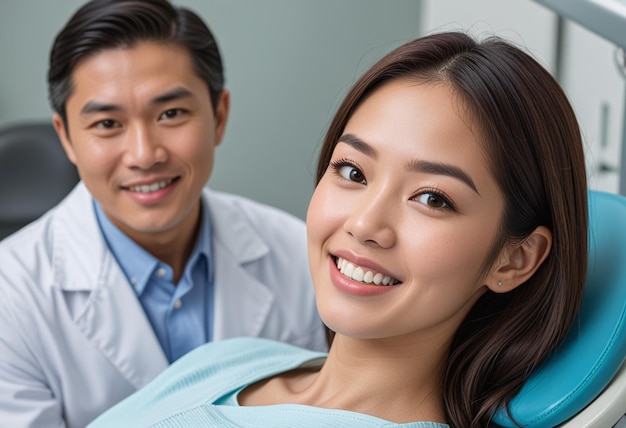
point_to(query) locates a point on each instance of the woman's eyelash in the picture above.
(339, 163)
(355, 173)
(439, 195)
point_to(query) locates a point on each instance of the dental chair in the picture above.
(35, 174)
(583, 384)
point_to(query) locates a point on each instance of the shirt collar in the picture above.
(202, 248)
(137, 264)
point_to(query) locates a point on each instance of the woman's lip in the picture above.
(353, 287)
(363, 262)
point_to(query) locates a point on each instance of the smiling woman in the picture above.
(425, 210)
(507, 108)
(447, 248)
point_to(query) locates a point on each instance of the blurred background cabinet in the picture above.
(592, 78)
(583, 62)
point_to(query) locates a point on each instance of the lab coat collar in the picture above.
(232, 230)
(108, 314)
(235, 244)
(79, 250)
(79, 235)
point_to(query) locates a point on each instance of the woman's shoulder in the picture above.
(205, 375)
(219, 368)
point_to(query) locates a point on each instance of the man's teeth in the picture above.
(146, 188)
(358, 273)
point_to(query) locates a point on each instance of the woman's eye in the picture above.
(433, 200)
(351, 173)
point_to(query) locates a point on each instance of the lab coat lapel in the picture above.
(242, 303)
(104, 305)
(116, 324)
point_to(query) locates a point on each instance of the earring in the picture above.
(500, 284)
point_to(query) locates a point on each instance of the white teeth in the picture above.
(368, 277)
(378, 278)
(147, 188)
(358, 273)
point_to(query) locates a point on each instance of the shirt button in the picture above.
(161, 272)
(178, 304)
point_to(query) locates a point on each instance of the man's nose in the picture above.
(143, 148)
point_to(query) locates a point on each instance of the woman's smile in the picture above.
(363, 274)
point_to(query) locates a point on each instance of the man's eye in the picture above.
(351, 173)
(106, 124)
(171, 113)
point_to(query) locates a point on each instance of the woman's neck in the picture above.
(387, 379)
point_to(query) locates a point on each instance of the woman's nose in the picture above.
(371, 220)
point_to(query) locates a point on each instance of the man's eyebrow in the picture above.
(98, 107)
(92, 107)
(441, 169)
(358, 144)
(173, 94)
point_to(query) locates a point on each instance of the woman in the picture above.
(447, 243)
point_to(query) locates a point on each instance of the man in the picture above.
(140, 263)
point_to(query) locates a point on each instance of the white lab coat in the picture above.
(74, 339)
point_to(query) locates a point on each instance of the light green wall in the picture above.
(288, 63)
(27, 28)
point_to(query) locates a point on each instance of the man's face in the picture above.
(142, 133)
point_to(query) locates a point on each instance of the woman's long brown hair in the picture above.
(533, 144)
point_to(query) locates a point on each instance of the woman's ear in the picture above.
(519, 261)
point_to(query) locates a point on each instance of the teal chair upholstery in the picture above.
(584, 383)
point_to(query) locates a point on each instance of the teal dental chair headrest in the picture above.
(595, 348)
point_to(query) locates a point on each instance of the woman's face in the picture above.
(409, 211)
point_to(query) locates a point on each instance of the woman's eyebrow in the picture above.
(413, 165)
(441, 169)
(358, 144)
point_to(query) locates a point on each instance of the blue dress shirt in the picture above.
(181, 314)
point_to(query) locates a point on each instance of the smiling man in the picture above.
(141, 263)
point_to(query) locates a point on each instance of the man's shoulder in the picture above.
(29, 252)
(31, 234)
(261, 216)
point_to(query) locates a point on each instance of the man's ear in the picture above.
(221, 116)
(62, 132)
(519, 261)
